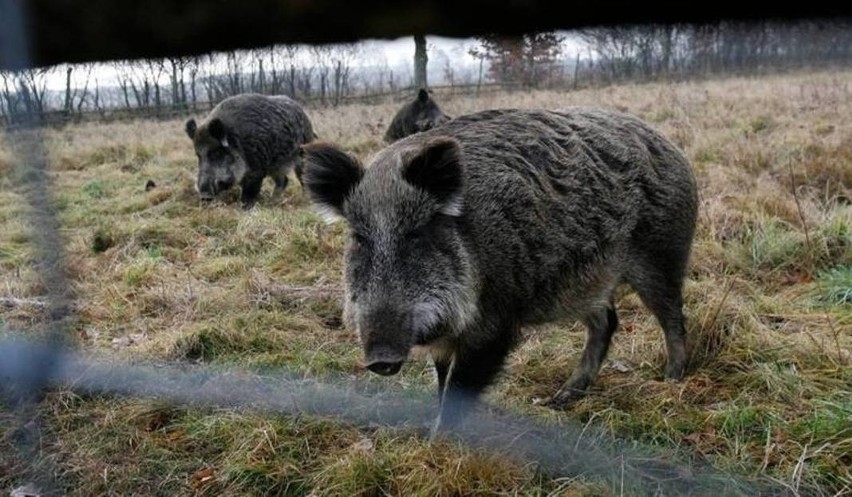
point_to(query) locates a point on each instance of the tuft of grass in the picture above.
(835, 285)
(761, 123)
(772, 246)
(94, 189)
(102, 240)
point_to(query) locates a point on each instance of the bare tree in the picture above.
(290, 52)
(124, 77)
(10, 96)
(81, 93)
(342, 57)
(32, 86)
(177, 67)
(322, 59)
(194, 66)
(479, 55)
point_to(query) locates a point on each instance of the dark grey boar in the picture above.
(463, 234)
(246, 138)
(421, 114)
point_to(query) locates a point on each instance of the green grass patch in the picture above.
(835, 286)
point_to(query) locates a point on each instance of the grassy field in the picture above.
(157, 276)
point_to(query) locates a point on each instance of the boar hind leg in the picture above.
(601, 325)
(665, 300)
(472, 370)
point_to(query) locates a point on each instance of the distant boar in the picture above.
(246, 138)
(420, 115)
(462, 234)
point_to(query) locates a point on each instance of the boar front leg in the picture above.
(601, 325)
(250, 191)
(471, 371)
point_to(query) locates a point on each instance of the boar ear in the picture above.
(437, 169)
(190, 128)
(217, 130)
(329, 175)
(423, 95)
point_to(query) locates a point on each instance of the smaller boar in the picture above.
(246, 138)
(420, 115)
(463, 234)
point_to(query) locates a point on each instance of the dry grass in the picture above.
(769, 305)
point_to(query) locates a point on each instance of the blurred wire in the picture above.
(31, 174)
(560, 449)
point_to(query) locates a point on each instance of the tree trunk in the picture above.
(420, 60)
(175, 94)
(338, 80)
(576, 70)
(124, 91)
(193, 74)
(261, 77)
(68, 89)
(479, 78)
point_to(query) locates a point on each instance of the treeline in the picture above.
(653, 52)
(324, 73)
(328, 75)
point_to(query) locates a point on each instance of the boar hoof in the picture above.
(675, 371)
(565, 397)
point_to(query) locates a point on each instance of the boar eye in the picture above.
(216, 154)
(414, 236)
(359, 239)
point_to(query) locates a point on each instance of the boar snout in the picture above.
(384, 361)
(386, 335)
(385, 368)
(222, 185)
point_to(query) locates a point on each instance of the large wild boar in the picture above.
(462, 234)
(421, 114)
(246, 138)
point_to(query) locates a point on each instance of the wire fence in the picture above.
(29, 368)
(59, 118)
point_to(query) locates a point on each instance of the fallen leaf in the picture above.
(118, 343)
(28, 490)
(175, 436)
(797, 278)
(365, 445)
(202, 477)
(620, 366)
(89, 334)
(332, 322)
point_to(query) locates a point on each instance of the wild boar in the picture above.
(246, 138)
(462, 234)
(418, 115)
